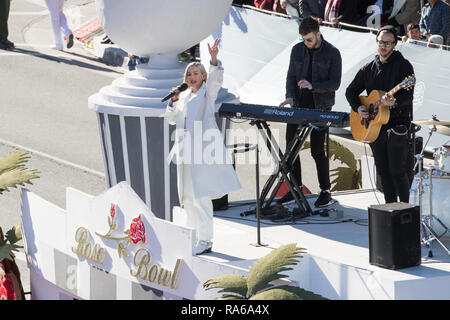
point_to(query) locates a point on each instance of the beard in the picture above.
(386, 53)
(316, 43)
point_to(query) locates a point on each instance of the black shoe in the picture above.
(6, 45)
(70, 42)
(324, 199)
(11, 44)
(106, 40)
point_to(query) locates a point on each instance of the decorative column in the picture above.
(135, 139)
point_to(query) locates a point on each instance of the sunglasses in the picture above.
(307, 40)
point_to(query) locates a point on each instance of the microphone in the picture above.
(179, 89)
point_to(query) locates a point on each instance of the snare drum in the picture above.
(440, 200)
(442, 159)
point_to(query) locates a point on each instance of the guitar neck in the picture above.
(390, 93)
(394, 90)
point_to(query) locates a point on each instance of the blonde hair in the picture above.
(198, 65)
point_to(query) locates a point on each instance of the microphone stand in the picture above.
(258, 205)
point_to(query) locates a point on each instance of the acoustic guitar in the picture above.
(367, 130)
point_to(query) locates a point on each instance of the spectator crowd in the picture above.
(424, 22)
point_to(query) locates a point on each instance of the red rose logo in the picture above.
(135, 234)
(137, 230)
(112, 211)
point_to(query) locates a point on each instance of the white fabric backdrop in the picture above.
(255, 52)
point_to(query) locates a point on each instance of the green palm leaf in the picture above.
(276, 294)
(230, 283)
(16, 176)
(8, 244)
(338, 152)
(13, 160)
(287, 293)
(342, 153)
(14, 234)
(306, 145)
(343, 178)
(230, 297)
(6, 250)
(269, 268)
(13, 171)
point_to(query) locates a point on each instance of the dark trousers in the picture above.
(391, 152)
(317, 152)
(4, 13)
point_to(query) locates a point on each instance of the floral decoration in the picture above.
(135, 234)
(10, 285)
(137, 230)
(7, 288)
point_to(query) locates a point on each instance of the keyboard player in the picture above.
(314, 74)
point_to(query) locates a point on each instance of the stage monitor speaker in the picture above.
(394, 235)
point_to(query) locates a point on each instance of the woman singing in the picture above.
(203, 166)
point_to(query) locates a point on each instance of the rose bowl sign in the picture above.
(110, 247)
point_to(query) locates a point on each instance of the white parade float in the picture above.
(123, 244)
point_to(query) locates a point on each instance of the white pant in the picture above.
(199, 212)
(59, 21)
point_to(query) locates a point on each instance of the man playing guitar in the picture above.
(391, 149)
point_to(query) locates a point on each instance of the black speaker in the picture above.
(394, 235)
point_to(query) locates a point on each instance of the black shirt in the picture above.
(306, 97)
(326, 73)
(377, 75)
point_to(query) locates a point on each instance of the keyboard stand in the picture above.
(285, 165)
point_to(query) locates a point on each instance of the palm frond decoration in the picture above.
(286, 293)
(8, 244)
(347, 177)
(15, 233)
(257, 285)
(269, 268)
(13, 171)
(341, 153)
(234, 285)
(13, 159)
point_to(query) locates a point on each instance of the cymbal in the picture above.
(443, 130)
(432, 122)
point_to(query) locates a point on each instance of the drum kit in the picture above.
(432, 182)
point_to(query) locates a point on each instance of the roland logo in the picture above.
(279, 112)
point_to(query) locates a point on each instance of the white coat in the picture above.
(211, 169)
